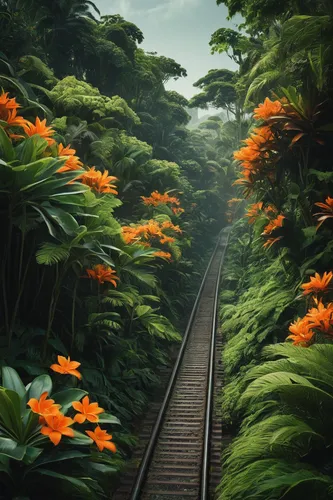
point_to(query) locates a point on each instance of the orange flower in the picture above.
(102, 273)
(7, 103)
(168, 225)
(157, 198)
(177, 210)
(163, 255)
(268, 109)
(234, 201)
(67, 367)
(73, 162)
(327, 210)
(39, 128)
(301, 332)
(87, 411)
(317, 283)
(102, 439)
(271, 211)
(321, 317)
(167, 239)
(57, 426)
(270, 242)
(44, 406)
(274, 224)
(98, 181)
(253, 211)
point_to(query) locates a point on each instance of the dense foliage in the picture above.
(109, 205)
(277, 310)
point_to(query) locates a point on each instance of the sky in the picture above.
(180, 29)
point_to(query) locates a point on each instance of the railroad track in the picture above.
(182, 457)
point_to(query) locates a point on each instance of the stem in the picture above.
(53, 306)
(18, 300)
(73, 313)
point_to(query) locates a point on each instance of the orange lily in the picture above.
(44, 406)
(57, 426)
(67, 367)
(102, 439)
(39, 128)
(268, 109)
(274, 224)
(102, 273)
(253, 211)
(321, 317)
(87, 411)
(98, 181)
(327, 210)
(317, 283)
(301, 332)
(73, 162)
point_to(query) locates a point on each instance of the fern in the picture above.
(50, 254)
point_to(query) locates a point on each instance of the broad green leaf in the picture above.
(40, 384)
(11, 380)
(142, 310)
(6, 146)
(10, 448)
(65, 220)
(105, 418)
(58, 456)
(81, 439)
(31, 454)
(75, 484)
(65, 398)
(10, 411)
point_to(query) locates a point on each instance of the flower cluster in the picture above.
(96, 180)
(150, 232)
(103, 274)
(156, 199)
(55, 424)
(318, 318)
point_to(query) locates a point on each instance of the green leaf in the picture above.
(75, 484)
(40, 384)
(65, 398)
(322, 176)
(81, 439)
(10, 411)
(6, 146)
(11, 449)
(58, 456)
(142, 310)
(11, 380)
(105, 418)
(31, 454)
(64, 219)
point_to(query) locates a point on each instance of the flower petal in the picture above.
(57, 368)
(55, 437)
(77, 406)
(75, 373)
(92, 418)
(67, 432)
(33, 403)
(110, 446)
(79, 418)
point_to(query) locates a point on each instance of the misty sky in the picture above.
(180, 29)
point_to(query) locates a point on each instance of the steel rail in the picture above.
(204, 486)
(143, 469)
